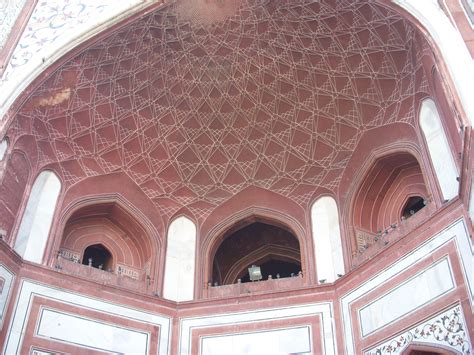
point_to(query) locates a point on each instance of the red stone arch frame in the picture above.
(156, 251)
(351, 193)
(438, 349)
(454, 102)
(208, 247)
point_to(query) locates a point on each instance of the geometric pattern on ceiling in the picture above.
(195, 106)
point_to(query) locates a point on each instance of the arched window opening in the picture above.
(98, 256)
(38, 217)
(327, 239)
(412, 206)
(384, 193)
(180, 260)
(439, 150)
(273, 248)
(90, 228)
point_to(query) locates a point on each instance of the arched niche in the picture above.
(327, 239)
(110, 227)
(180, 260)
(383, 193)
(439, 150)
(254, 241)
(38, 216)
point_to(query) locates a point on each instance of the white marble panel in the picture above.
(412, 294)
(90, 333)
(36, 221)
(457, 231)
(322, 310)
(438, 147)
(3, 148)
(29, 289)
(180, 260)
(9, 11)
(327, 239)
(7, 277)
(278, 341)
(447, 329)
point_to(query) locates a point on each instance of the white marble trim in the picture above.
(456, 231)
(323, 310)
(436, 268)
(29, 289)
(307, 344)
(8, 276)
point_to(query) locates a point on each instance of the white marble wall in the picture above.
(9, 11)
(180, 260)
(323, 310)
(439, 149)
(327, 239)
(36, 221)
(7, 277)
(29, 289)
(279, 341)
(409, 296)
(90, 333)
(3, 148)
(447, 330)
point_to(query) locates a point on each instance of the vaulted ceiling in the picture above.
(198, 100)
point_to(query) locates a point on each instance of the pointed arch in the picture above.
(180, 260)
(327, 239)
(37, 219)
(438, 148)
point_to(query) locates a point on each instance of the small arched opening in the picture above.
(98, 256)
(412, 206)
(273, 248)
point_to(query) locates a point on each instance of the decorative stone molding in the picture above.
(447, 329)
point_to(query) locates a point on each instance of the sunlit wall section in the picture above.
(439, 150)
(180, 260)
(327, 239)
(36, 222)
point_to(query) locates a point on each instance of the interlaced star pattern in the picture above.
(275, 94)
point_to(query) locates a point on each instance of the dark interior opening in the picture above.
(274, 249)
(100, 256)
(275, 268)
(412, 206)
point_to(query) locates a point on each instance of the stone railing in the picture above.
(392, 233)
(269, 285)
(72, 267)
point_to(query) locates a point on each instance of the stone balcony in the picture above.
(105, 277)
(265, 286)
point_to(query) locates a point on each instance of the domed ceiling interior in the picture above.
(199, 100)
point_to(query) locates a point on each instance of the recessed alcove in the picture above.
(274, 249)
(392, 190)
(113, 240)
